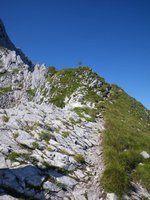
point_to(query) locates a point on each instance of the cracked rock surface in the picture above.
(43, 155)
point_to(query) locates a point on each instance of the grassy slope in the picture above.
(127, 134)
(127, 130)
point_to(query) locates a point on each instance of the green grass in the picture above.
(31, 93)
(88, 111)
(45, 136)
(127, 133)
(13, 156)
(142, 174)
(65, 134)
(35, 145)
(51, 71)
(5, 90)
(79, 158)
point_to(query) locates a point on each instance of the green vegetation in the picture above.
(48, 127)
(29, 128)
(49, 148)
(45, 136)
(74, 122)
(15, 71)
(67, 87)
(23, 157)
(68, 80)
(63, 151)
(13, 156)
(31, 93)
(142, 174)
(61, 185)
(35, 145)
(65, 134)
(5, 118)
(16, 135)
(3, 73)
(51, 71)
(127, 133)
(57, 131)
(58, 169)
(127, 127)
(83, 111)
(79, 158)
(4, 90)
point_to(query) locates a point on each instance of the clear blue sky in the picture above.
(111, 36)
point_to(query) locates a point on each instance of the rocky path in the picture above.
(49, 153)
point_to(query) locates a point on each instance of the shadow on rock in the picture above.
(25, 182)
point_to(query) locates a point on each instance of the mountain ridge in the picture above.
(68, 134)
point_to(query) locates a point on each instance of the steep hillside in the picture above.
(126, 136)
(67, 134)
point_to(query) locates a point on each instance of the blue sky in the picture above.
(111, 36)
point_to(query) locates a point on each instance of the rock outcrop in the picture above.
(46, 152)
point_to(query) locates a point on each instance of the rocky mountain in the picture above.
(67, 134)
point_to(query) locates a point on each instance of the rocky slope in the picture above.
(52, 124)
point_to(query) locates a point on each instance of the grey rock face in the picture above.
(5, 42)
